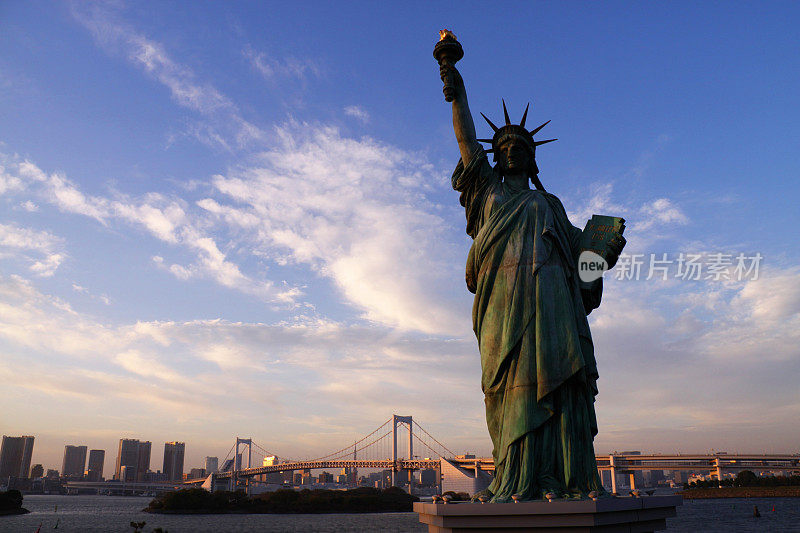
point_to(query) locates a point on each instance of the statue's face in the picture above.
(514, 156)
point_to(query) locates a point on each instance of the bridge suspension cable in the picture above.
(227, 455)
(349, 448)
(445, 448)
(268, 453)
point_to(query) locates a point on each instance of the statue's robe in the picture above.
(529, 315)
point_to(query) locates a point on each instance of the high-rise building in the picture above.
(37, 471)
(212, 465)
(15, 456)
(173, 460)
(74, 462)
(135, 456)
(97, 459)
(127, 457)
(143, 464)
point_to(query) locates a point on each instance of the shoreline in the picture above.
(741, 492)
(361, 501)
(14, 512)
(241, 511)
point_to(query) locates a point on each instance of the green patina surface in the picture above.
(529, 315)
(539, 373)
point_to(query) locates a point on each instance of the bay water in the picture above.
(115, 513)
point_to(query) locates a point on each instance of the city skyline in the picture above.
(234, 220)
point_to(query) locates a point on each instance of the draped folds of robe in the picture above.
(529, 315)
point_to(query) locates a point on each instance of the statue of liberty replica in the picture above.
(539, 374)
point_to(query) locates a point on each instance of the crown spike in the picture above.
(495, 128)
(505, 112)
(536, 130)
(537, 143)
(484, 140)
(524, 115)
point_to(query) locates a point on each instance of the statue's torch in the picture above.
(447, 52)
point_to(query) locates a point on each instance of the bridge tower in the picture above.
(237, 462)
(401, 420)
(612, 463)
(718, 468)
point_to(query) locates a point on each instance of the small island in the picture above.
(11, 503)
(746, 484)
(284, 501)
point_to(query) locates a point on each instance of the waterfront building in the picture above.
(326, 477)
(605, 479)
(173, 460)
(15, 456)
(352, 475)
(212, 465)
(652, 478)
(227, 466)
(155, 477)
(74, 463)
(37, 471)
(197, 473)
(458, 478)
(680, 477)
(429, 477)
(386, 479)
(274, 477)
(97, 459)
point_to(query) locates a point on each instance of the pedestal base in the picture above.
(607, 515)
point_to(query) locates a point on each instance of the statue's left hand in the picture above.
(615, 245)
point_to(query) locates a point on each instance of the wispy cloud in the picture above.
(661, 211)
(357, 112)
(167, 219)
(225, 125)
(20, 241)
(8, 182)
(274, 69)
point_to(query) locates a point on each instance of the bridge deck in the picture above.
(621, 462)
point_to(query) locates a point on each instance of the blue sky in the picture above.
(227, 219)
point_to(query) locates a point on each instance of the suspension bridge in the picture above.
(380, 449)
(401, 446)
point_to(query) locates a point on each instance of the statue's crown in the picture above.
(517, 130)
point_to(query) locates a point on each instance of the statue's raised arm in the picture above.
(447, 52)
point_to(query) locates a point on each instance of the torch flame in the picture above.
(446, 34)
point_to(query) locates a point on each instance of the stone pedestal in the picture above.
(607, 515)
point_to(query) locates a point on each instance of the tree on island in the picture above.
(746, 478)
(11, 502)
